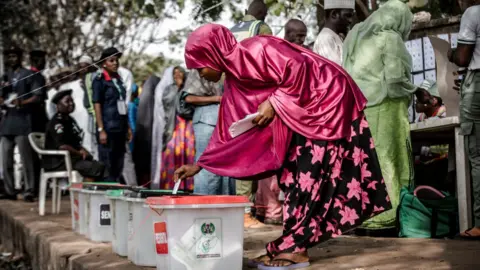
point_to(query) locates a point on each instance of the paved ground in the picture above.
(52, 245)
(353, 253)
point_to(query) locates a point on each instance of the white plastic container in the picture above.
(141, 248)
(119, 210)
(98, 216)
(83, 199)
(198, 232)
(77, 215)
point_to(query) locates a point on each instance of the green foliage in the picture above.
(56, 26)
(142, 66)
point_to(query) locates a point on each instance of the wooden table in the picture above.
(447, 130)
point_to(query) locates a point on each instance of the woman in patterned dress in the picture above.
(310, 131)
(178, 139)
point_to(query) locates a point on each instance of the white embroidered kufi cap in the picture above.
(85, 59)
(339, 4)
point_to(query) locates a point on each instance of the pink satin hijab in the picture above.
(311, 96)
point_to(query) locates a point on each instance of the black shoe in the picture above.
(8, 197)
(29, 198)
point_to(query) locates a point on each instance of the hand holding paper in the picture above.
(10, 101)
(243, 125)
(445, 76)
(266, 113)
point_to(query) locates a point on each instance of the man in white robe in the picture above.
(338, 18)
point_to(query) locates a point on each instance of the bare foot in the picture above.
(286, 259)
(473, 232)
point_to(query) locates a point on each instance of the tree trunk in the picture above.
(374, 5)
(361, 8)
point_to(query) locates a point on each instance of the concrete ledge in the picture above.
(50, 243)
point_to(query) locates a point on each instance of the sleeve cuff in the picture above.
(465, 41)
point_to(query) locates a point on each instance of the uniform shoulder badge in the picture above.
(98, 74)
(59, 128)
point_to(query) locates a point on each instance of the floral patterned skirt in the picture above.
(180, 151)
(330, 188)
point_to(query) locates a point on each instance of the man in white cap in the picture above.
(86, 71)
(434, 108)
(338, 18)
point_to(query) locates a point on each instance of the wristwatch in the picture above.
(100, 129)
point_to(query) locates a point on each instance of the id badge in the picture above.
(121, 107)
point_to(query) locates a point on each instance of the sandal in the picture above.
(468, 236)
(293, 265)
(254, 263)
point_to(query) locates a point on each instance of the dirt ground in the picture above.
(365, 253)
(51, 242)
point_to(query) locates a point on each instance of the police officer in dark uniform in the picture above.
(37, 64)
(19, 96)
(63, 133)
(113, 131)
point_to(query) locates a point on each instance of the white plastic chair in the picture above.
(37, 141)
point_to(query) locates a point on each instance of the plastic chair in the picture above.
(37, 141)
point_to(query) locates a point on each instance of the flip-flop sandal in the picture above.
(468, 236)
(293, 265)
(254, 263)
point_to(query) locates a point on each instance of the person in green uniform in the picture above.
(467, 54)
(252, 24)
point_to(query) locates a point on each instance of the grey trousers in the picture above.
(205, 182)
(28, 157)
(129, 168)
(470, 126)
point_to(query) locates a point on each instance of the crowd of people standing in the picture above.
(330, 149)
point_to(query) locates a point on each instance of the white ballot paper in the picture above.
(445, 76)
(242, 126)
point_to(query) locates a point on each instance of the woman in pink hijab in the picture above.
(310, 131)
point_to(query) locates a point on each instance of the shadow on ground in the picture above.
(365, 253)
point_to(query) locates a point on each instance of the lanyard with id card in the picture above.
(121, 106)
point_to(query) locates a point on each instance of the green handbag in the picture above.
(426, 218)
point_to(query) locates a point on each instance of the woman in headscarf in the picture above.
(204, 97)
(173, 137)
(377, 59)
(142, 153)
(310, 131)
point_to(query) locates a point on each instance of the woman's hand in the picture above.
(103, 137)
(217, 99)
(186, 171)
(266, 113)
